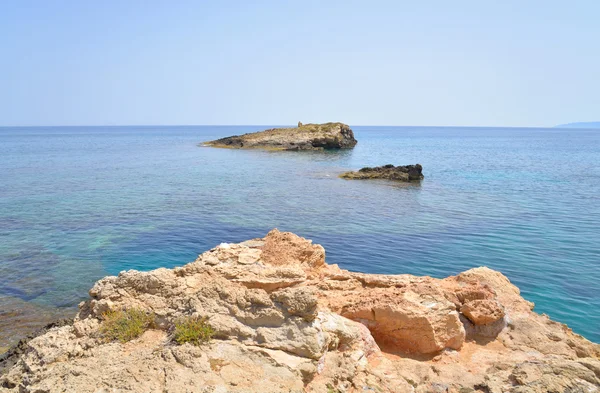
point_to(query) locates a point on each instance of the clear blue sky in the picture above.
(472, 63)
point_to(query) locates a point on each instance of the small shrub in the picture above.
(193, 330)
(125, 325)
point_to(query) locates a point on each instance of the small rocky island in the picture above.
(303, 137)
(389, 172)
(270, 315)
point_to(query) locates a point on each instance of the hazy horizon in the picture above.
(568, 125)
(466, 64)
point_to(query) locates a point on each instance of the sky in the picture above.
(414, 63)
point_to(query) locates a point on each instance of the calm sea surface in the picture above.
(79, 203)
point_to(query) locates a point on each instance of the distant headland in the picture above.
(589, 124)
(303, 137)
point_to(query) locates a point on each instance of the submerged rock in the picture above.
(286, 321)
(390, 172)
(304, 137)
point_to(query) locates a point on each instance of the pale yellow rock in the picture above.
(285, 321)
(483, 311)
(408, 321)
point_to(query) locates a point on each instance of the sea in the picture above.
(80, 203)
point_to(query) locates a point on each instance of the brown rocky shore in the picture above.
(286, 321)
(303, 137)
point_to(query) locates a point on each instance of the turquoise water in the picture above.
(78, 203)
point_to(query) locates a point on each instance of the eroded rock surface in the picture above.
(389, 172)
(286, 321)
(304, 137)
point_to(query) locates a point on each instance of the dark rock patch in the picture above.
(389, 172)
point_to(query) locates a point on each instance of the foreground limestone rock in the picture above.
(389, 172)
(286, 321)
(304, 137)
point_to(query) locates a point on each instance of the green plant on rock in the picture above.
(125, 325)
(331, 389)
(193, 330)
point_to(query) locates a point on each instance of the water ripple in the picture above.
(79, 203)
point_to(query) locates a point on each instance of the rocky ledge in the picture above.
(389, 172)
(304, 137)
(286, 321)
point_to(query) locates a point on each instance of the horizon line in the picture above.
(280, 125)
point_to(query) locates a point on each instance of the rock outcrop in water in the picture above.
(304, 137)
(286, 321)
(389, 172)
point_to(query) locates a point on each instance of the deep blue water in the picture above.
(78, 203)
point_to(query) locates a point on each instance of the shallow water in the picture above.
(78, 203)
